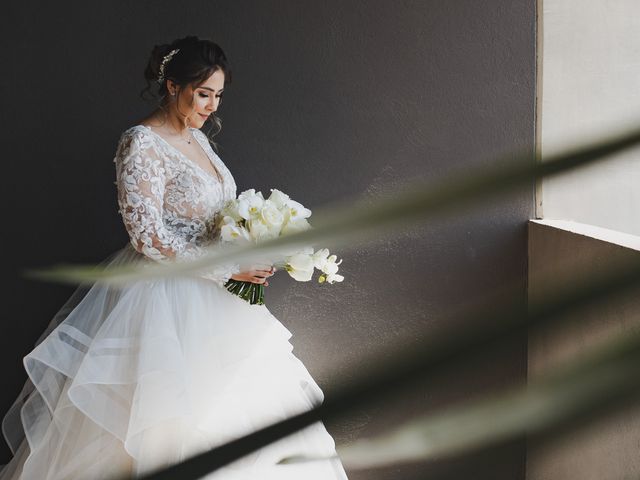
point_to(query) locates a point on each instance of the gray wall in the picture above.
(561, 254)
(330, 100)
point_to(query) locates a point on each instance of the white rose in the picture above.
(271, 216)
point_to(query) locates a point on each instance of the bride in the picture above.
(129, 379)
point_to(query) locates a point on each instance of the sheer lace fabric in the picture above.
(169, 203)
(128, 379)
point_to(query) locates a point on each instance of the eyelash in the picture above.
(202, 95)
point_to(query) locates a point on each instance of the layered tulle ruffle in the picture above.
(129, 379)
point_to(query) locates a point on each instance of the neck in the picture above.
(172, 120)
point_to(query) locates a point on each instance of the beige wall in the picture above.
(589, 83)
(607, 448)
(588, 79)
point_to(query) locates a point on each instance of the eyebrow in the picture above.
(212, 90)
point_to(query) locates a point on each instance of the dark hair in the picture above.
(196, 61)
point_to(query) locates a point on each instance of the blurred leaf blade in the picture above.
(601, 375)
(395, 374)
(343, 225)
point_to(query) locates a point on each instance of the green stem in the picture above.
(248, 291)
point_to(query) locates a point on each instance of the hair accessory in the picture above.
(166, 59)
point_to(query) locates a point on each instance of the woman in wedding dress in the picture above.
(129, 379)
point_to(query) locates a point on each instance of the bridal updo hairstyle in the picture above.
(196, 61)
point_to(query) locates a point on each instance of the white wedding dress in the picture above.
(129, 379)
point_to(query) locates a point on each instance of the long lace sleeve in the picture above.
(141, 181)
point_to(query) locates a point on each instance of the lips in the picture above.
(204, 116)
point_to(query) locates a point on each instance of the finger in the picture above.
(264, 268)
(266, 284)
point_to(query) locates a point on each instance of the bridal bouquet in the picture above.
(252, 218)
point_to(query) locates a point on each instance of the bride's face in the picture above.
(206, 99)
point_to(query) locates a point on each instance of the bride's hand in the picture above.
(255, 276)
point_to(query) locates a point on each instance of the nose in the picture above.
(215, 102)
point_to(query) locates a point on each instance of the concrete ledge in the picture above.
(597, 233)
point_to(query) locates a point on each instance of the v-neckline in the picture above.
(219, 178)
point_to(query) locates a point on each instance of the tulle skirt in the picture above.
(129, 379)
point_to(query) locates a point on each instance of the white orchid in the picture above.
(330, 278)
(230, 209)
(278, 198)
(300, 267)
(250, 204)
(297, 211)
(295, 227)
(320, 257)
(251, 218)
(249, 194)
(230, 231)
(328, 265)
(307, 250)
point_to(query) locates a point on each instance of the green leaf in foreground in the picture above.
(434, 356)
(582, 387)
(345, 225)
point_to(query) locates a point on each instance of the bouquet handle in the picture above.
(248, 291)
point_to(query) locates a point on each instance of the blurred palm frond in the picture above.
(431, 357)
(346, 225)
(598, 382)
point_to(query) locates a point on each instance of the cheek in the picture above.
(202, 102)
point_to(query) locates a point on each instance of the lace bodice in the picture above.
(169, 204)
